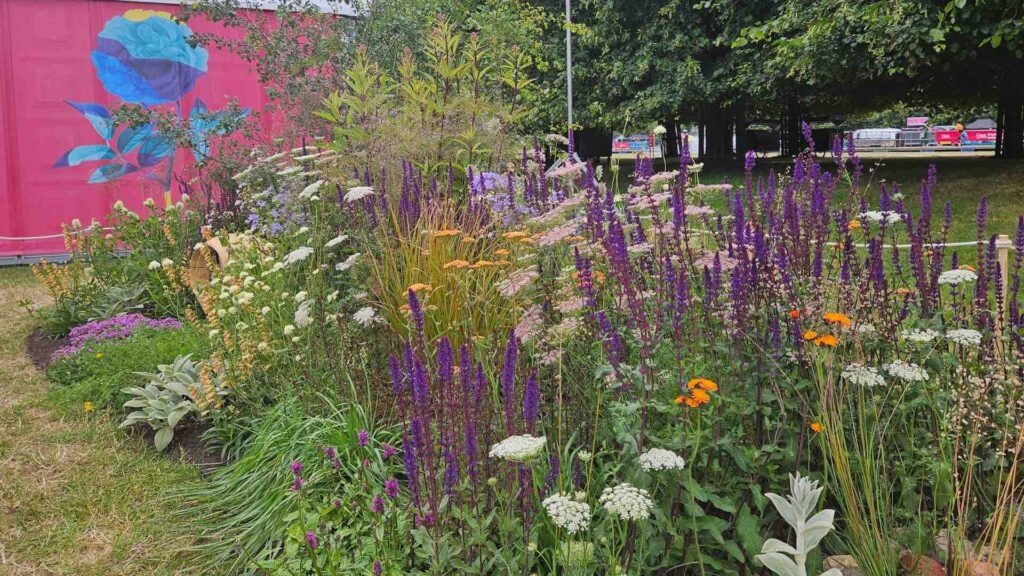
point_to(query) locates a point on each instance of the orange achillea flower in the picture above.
(597, 275)
(904, 291)
(816, 426)
(967, 267)
(502, 252)
(810, 335)
(419, 286)
(468, 240)
(526, 240)
(425, 252)
(455, 264)
(853, 225)
(446, 233)
(794, 313)
(482, 264)
(514, 234)
(837, 318)
(703, 384)
(826, 340)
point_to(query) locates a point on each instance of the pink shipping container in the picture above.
(64, 65)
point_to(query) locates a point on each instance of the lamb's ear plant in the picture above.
(165, 400)
(782, 558)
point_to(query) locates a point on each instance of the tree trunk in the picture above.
(718, 129)
(671, 139)
(740, 122)
(1010, 119)
(791, 137)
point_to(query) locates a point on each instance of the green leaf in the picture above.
(747, 531)
(163, 437)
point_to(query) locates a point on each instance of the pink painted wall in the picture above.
(44, 60)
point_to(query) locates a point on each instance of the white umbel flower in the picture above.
(964, 337)
(365, 316)
(881, 216)
(920, 336)
(358, 193)
(661, 459)
(955, 277)
(297, 255)
(154, 265)
(568, 514)
(659, 129)
(906, 371)
(348, 263)
(303, 316)
(862, 375)
(518, 448)
(308, 191)
(336, 240)
(627, 502)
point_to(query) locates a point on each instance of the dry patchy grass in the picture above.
(77, 495)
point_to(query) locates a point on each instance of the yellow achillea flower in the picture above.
(837, 318)
(853, 225)
(456, 264)
(468, 240)
(967, 267)
(904, 291)
(418, 287)
(502, 252)
(482, 264)
(446, 233)
(514, 234)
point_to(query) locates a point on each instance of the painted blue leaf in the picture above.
(109, 172)
(98, 116)
(133, 137)
(155, 149)
(199, 107)
(80, 154)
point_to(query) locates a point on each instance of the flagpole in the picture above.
(568, 59)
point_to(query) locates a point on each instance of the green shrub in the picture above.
(98, 373)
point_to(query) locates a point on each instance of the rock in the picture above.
(845, 564)
(984, 569)
(919, 565)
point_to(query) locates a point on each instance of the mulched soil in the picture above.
(40, 347)
(188, 445)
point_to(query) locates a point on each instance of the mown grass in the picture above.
(963, 181)
(77, 495)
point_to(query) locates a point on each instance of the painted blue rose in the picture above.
(143, 57)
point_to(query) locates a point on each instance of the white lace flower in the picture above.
(348, 263)
(154, 265)
(659, 129)
(308, 191)
(862, 375)
(584, 456)
(906, 371)
(567, 513)
(627, 502)
(661, 459)
(358, 193)
(297, 255)
(881, 216)
(920, 336)
(303, 316)
(365, 316)
(958, 276)
(518, 448)
(964, 337)
(336, 240)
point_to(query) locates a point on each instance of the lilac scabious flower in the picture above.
(531, 402)
(391, 488)
(311, 539)
(364, 438)
(377, 505)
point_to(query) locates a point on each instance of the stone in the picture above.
(919, 565)
(847, 565)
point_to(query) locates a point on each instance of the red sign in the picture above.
(970, 138)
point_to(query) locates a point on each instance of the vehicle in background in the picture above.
(877, 138)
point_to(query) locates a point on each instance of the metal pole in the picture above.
(568, 58)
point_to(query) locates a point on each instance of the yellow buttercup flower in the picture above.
(99, 355)
(87, 407)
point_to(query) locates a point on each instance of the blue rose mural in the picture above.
(143, 57)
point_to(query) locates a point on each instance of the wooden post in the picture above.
(1003, 245)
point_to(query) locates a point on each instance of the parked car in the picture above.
(877, 137)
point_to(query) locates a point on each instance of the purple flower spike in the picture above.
(311, 538)
(378, 569)
(377, 505)
(531, 402)
(364, 438)
(391, 488)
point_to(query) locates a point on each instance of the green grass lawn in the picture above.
(78, 496)
(963, 180)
